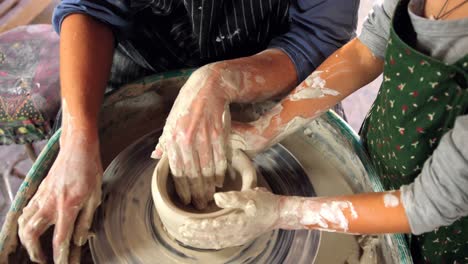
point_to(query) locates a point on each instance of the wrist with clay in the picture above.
(261, 133)
(87, 136)
(237, 80)
(79, 131)
(79, 139)
(246, 137)
(290, 213)
(215, 84)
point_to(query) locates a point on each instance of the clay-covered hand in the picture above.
(249, 137)
(67, 198)
(194, 136)
(258, 211)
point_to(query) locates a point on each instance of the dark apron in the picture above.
(417, 104)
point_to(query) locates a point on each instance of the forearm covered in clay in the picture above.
(258, 211)
(344, 72)
(71, 191)
(356, 214)
(439, 195)
(255, 78)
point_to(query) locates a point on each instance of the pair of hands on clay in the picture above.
(196, 135)
(67, 198)
(71, 192)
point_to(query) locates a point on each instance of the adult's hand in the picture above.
(67, 198)
(194, 136)
(70, 193)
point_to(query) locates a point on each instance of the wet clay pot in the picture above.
(241, 175)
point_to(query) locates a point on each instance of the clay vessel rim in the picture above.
(159, 180)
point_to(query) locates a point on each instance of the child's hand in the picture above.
(257, 213)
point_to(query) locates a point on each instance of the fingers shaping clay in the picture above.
(173, 213)
(129, 229)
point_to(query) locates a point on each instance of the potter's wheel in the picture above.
(128, 229)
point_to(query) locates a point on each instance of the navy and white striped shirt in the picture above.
(163, 35)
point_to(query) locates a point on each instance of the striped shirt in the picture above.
(162, 35)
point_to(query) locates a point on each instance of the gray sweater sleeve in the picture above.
(376, 28)
(439, 195)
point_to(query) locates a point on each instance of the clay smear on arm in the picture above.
(344, 72)
(367, 213)
(316, 213)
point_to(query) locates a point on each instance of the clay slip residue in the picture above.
(314, 87)
(390, 200)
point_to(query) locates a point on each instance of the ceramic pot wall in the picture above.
(173, 214)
